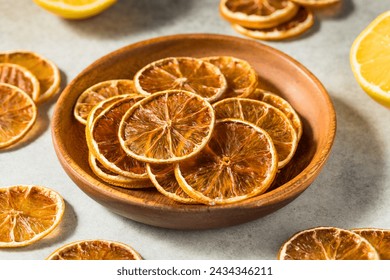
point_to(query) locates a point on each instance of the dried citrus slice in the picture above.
(167, 127)
(257, 13)
(379, 238)
(266, 116)
(181, 73)
(27, 214)
(282, 104)
(113, 178)
(163, 178)
(239, 162)
(20, 77)
(75, 9)
(370, 60)
(241, 78)
(103, 142)
(97, 93)
(18, 113)
(95, 250)
(300, 23)
(327, 243)
(316, 3)
(43, 69)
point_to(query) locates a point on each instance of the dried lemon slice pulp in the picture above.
(95, 250)
(167, 127)
(327, 243)
(27, 214)
(18, 113)
(379, 238)
(181, 73)
(239, 162)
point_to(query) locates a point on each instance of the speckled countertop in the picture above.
(353, 189)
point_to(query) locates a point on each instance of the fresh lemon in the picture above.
(75, 9)
(370, 59)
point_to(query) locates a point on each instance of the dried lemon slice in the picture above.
(316, 3)
(300, 23)
(379, 238)
(20, 77)
(283, 105)
(266, 116)
(181, 73)
(239, 162)
(43, 69)
(163, 178)
(240, 76)
(95, 250)
(167, 127)
(257, 13)
(27, 214)
(99, 92)
(103, 142)
(115, 179)
(18, 113)
(327, 243)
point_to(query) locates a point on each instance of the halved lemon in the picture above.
(42, 68)
(370, 59)
(95, 250)
(239, 162)
(265, 116)
(327, 243)
(257, 13)
(75, 9)
(241, 78)
(18, 113)
(167, 127)
(181, 73)
(20, 77)
(28, 214)
(99, 92)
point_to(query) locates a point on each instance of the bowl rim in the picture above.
(287, 191)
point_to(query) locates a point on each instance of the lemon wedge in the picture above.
(370, 59)
(75, 9)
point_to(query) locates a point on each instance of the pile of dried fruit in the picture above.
(199, 130)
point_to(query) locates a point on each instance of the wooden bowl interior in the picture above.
(277, 72)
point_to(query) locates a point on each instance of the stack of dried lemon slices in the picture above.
(271, 19)
(26, 79)
(199, 130)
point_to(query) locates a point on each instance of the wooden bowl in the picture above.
(277, 71)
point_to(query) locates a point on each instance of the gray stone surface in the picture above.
(353, 189)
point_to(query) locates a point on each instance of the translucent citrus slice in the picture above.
(163, 178)
(300, 23)
(257, 13)
(95, 250)
(370, 59)
(20, 77)
(18, 113)
(316, 3)
(97, 93)
(27, 214)
(181, 73)
(239, 162)
(103, 142)
(75, 9)
(281, 104)
(113, 178)
(43, 69)
(167, 127)
(266, 116)
(379, 238)
(327, 243)
(241, 78)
